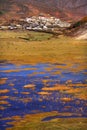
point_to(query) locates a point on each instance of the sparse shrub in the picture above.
(1, 12)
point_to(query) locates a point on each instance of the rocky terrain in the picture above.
(52, 25)
(78, 29)
(38, 23)
(55, 16)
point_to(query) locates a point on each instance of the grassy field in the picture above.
(33, 122)
(34, 47)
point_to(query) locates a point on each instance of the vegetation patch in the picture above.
(2, 12)
(34, 122)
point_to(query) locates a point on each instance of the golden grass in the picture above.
(3, 97)
(77, 85)
(66, 99)
(56, 87)
(31, 86)
(56, 50)
(3, 102)
(25, 100)
(44, 93)
(2, 108)
(11, 84)
(17, 70)
(33, 122)
(4, 91)
(80, 93)
(25, 93)
(3, 81)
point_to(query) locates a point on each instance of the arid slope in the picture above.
(64, 9)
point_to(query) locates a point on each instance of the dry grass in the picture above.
(55, 50)
(33, 122)
(3, 81)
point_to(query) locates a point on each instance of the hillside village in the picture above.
(37, 23)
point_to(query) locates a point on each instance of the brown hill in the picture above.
(78, 29)
(64, 9)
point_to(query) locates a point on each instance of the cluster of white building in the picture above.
(38, 23)
(44, 23)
